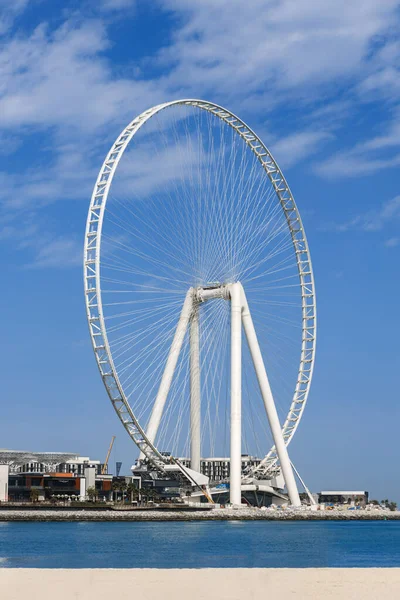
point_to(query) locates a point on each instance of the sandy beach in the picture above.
(199, 584)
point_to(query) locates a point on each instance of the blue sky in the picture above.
(321, 87)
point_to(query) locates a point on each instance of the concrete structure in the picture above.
(256, 493)
(4, 473)
(90, 476)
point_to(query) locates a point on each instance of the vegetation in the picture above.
(389, 504)
(34, 495)
(119, 486)
(133, 492)
(92, 494)
(122, 488)
(150, 494)
(115, 488)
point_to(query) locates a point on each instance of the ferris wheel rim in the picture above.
(93, 293)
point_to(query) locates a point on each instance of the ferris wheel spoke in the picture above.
(169, 248)
(184, 383)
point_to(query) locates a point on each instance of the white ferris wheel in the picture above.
(200, 292)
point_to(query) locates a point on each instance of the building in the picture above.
(339, 497)
(254, 493)
(75, 466)
(218, 469)
(52, 475)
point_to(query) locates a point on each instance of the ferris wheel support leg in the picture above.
(169, 370)
(195, 400)
(236, 394)
(269, 403)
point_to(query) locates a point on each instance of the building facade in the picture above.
(218, 469)
(342, 497)
(51, 477)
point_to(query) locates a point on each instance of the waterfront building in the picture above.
(340, 497)
(51, 475)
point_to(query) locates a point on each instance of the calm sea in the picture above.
(200, 544)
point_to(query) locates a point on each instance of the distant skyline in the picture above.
(322, 90)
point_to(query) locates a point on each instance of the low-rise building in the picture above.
(352, 498)
(51, 476)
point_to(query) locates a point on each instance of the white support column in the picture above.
(236, 394)
(195, 400)
(169, 370)
(269, 403)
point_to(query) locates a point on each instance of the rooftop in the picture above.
(24, 456)
(343, 493)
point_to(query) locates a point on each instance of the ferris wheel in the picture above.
(200, 292)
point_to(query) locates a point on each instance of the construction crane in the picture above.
(104, 469)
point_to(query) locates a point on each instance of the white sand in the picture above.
(193, 584)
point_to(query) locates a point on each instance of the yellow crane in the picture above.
(104, 469)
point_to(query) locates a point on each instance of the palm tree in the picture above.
(92, 493)
(122, 487)
(152, 494)
(119, 486)
(133, 492)
(115, 488)
(389, 504)
(34, 495)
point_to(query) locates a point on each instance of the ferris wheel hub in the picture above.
(202, 294)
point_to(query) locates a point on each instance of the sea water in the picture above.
(200, 544)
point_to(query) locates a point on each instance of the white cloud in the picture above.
(392, 242)
(372, 220)
(352, 164)
(146, 169)
(260, 54)
(367, 157)
(298, 146)
(42, 248)
(9, 11)
(251, 56)
(229, 49)
(247, 45)
(117, 4)
(59, 253)
(59, 79)
(69, 175)
(383, 80)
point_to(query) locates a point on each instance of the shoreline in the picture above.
(221, 514)
(200, 584)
